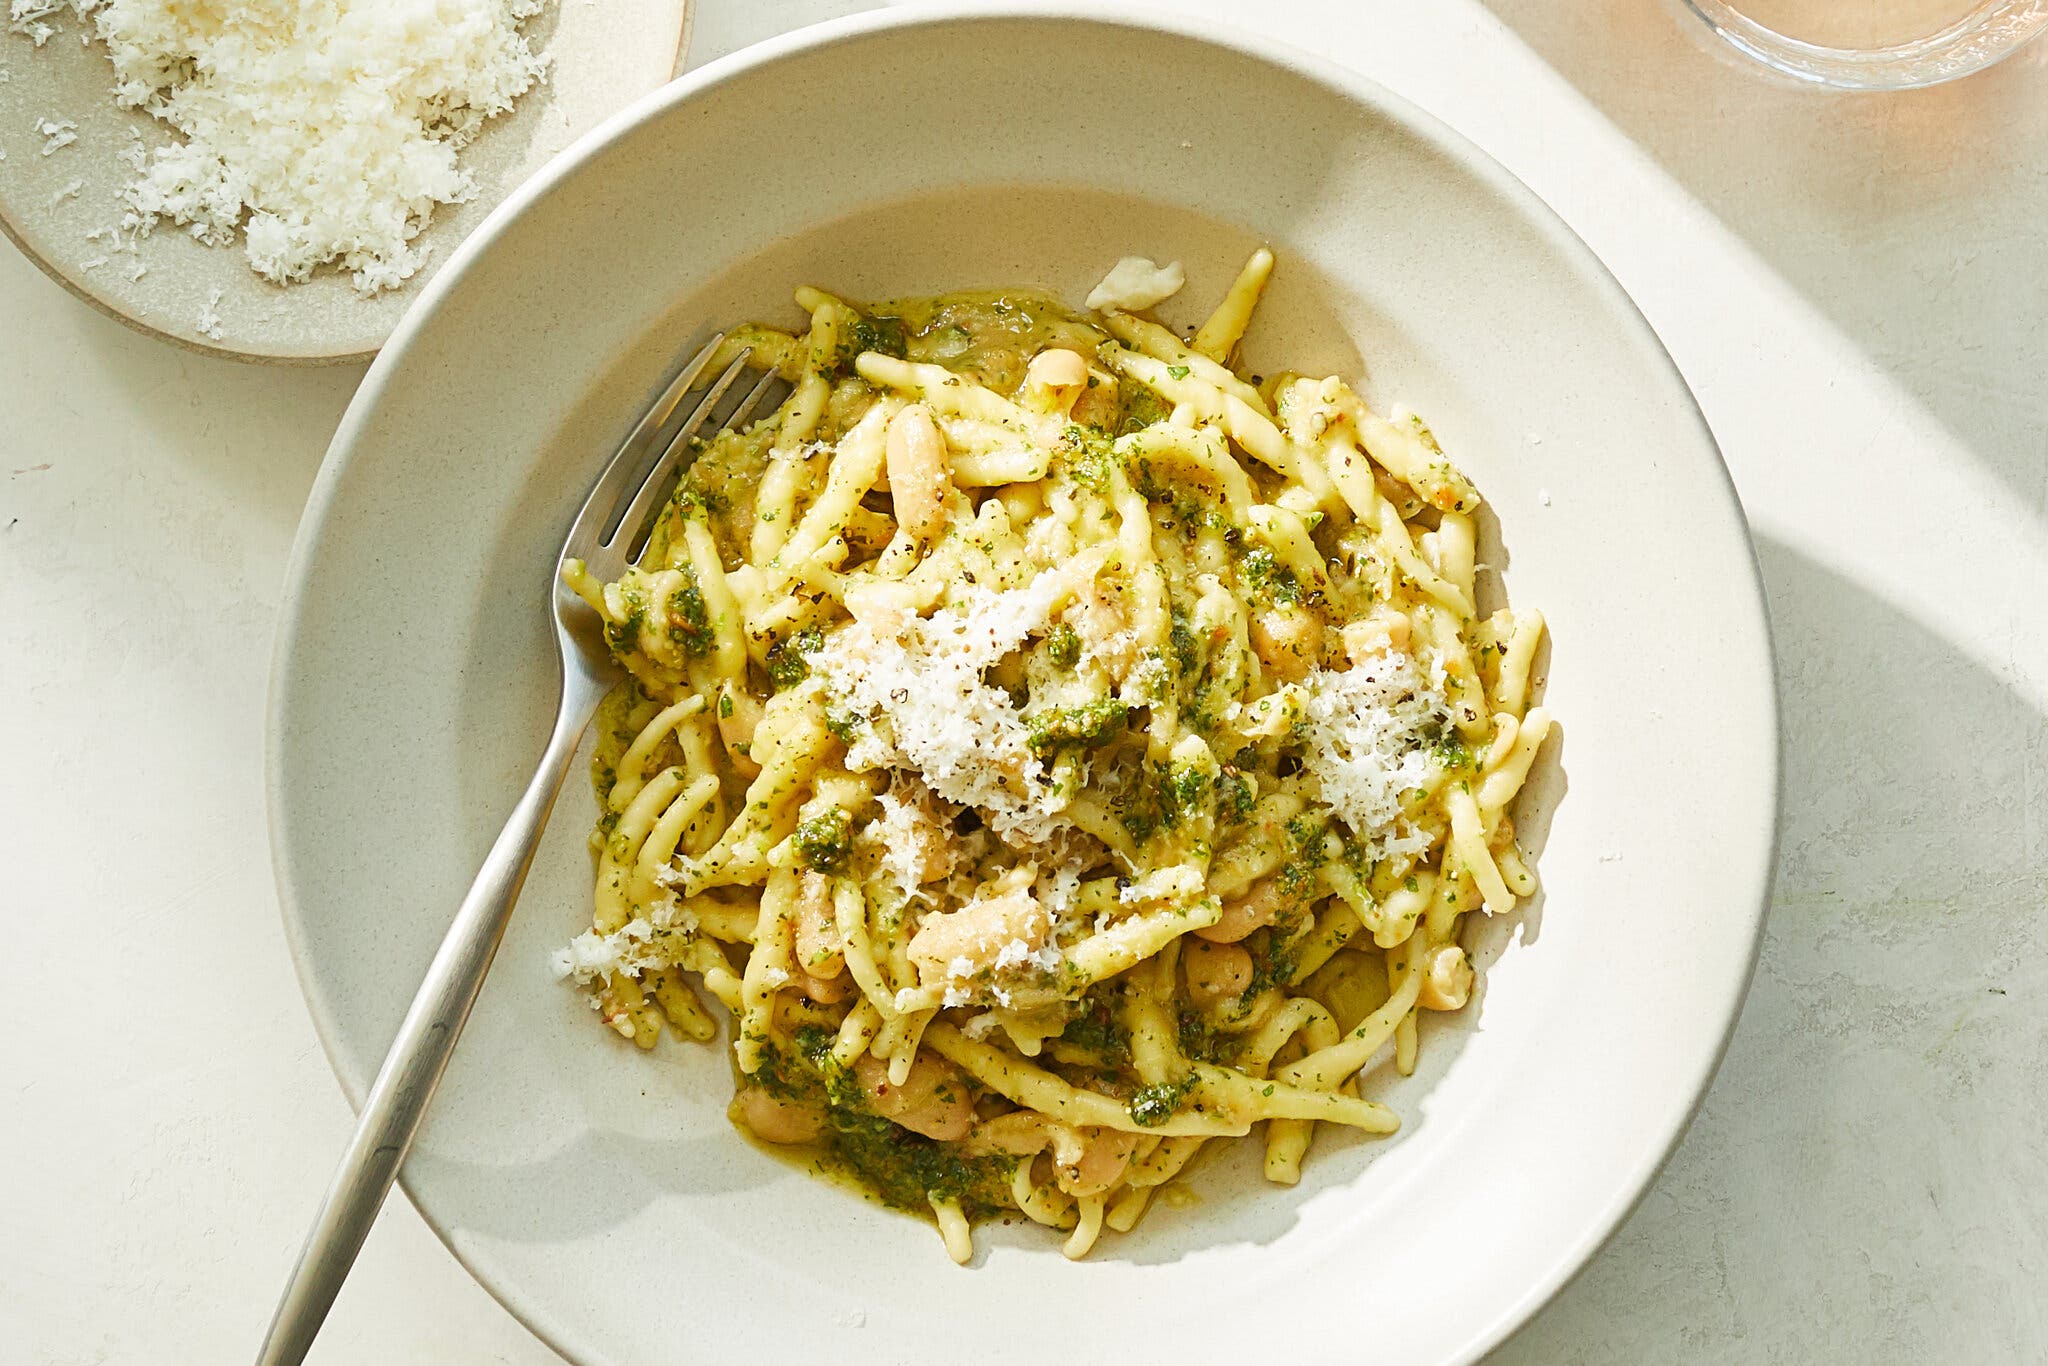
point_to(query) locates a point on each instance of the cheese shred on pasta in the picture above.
(1054, 749)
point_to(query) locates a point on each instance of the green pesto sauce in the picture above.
(623, 636)
(1063, 646)
(845, 726)
(906, 1170)
(616, 729)
(1266, 578)
(788, 662)
(728, 461)
(1182, 506)
(1273, 953)
(872, 332)
(1187, 651)
(1199, 1037)
(1153, 1105)
(1087, 457)
(1452, 752)
(1138, 408)
(1305, 833)
(989, 336)
(1087, 726)
(1161, 800)
(689, 625)
(897, 1167)
(1235, 795)
(1096, 1029)
(824, 841)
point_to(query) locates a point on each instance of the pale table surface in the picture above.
(1855, 287)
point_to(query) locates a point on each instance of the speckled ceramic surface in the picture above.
(600, 1192)
(603, 56)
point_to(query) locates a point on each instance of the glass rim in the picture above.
(1989, 33)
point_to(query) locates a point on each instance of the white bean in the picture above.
(917, 474)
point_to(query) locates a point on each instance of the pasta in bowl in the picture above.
(601, 1191)
(1055, 747)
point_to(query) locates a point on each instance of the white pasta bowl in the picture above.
(600, 1192)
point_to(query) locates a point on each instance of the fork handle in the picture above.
(412, 1069)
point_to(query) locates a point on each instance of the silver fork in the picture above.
(608, 535)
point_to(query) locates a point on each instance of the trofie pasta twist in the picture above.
(1054, 749)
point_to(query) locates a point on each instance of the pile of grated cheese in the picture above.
(920, 693)
(326, 131)
(1365, 736)
(640, 945)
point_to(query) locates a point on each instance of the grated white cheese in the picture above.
(630, 949)
(638, 946)
(209, 317)
(909, 844)
(69, 191)
(326, 131)
(1018, 954)
(1366, 734)
(1136, 283)
(57, 134)
(1060, 889)
(921, 693)
(21, 13)
(26, 17)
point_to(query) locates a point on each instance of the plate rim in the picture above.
(1573, 1256)
(79, 289)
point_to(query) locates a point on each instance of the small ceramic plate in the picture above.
(600, 1191)
(603, 57)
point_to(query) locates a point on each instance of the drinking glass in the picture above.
(1873, 44)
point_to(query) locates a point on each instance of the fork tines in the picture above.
(617, 517)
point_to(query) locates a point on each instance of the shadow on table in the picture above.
(1911, 220)
(1868, 1167)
